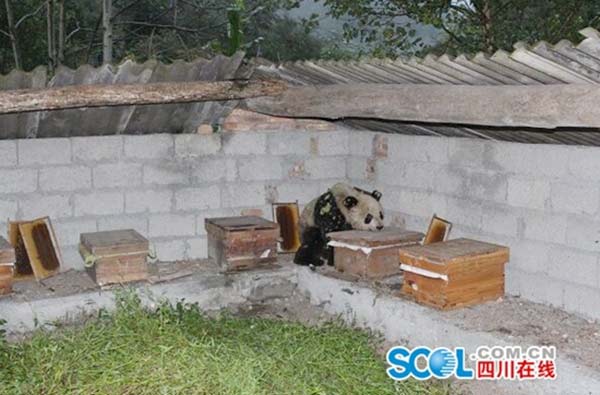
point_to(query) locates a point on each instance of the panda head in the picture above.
(362, 209)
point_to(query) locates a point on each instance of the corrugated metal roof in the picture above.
(542, 63)
(160, 118)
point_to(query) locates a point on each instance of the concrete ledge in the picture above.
(210, 289)
(406, 323)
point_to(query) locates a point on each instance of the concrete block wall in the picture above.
(164, 186)
(543, 201)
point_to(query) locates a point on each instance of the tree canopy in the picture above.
(70, 32)
(391, 26)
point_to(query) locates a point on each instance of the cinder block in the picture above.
(463, 211)
(289, 143)
(469, 153)
(418, 175)
(72, 259)
(583, 232)
(201, 217)
(421, 148)
(543, 226)
(421, 204)
(581, 299)
(97, 148)
(138, 223)
(214, 169)
(53, 206)
(530, 193)
(244, 143)
(18, 181)
(303, 192)
(99, 203)
(201, 198)
(512, 280)
(152, 146)
(197, 248)
(323, 168)
(260, 168)
(356, 168)
(44, 151)
(541, 288)
(117, 175)
(8, 153)
(165, 225)
(529, 159)
(489, 186)
(361, 143)
(170, 250)
(391, 172)
(68, 231)
(152, 201)
(194, 145)
(575, 198)
(499, 220)
(334, 143)
(243, 195)
(166, 174)
(8, 210)
(584, 162)
(531, 256)
(574, 265)
(65, 178)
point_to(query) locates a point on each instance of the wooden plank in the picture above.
(539, 106)
(78, 96)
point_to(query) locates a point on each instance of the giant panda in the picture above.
(342, 207)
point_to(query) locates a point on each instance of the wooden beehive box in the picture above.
(240, 243)
(117, 256)
(454, 273)
(370, 254)
(7, 266)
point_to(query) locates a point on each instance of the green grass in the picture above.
(179, 350)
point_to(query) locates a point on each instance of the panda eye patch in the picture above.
(368, 219)
(380, 215)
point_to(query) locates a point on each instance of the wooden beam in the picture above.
(536, 106)
(79, 96)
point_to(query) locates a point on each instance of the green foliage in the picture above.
(391, 26)
(176, 349)
(156, 29)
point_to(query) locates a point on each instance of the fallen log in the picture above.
(78, 96)
(536, 106)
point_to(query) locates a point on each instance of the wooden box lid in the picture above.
(442, 257)
(7, 253)
(237, 224)
(386, 236)
(114, 242)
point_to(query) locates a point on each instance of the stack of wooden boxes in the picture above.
(454, 273)
(115, 257)
(371, 255)
(7, 266)
(240, 243)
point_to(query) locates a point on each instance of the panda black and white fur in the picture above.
(342, 207)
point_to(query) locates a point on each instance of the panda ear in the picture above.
(376, 195)
(350, 202)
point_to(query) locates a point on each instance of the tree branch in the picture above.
(27, 16)
(160, 26)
